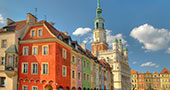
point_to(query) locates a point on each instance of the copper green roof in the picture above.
(11, 49)
(115, 40)
(125, 49)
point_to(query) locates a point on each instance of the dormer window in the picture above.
(33, 33)
(76, 47)
(40, 32)
(60, 37)
(69, 41)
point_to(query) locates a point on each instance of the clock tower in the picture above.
(99, 34)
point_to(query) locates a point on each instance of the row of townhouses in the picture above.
(150, 81)
(36, 56)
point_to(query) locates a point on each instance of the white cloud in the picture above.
(134, 62)
(1, 19)
(168, 50)
(110, 38)
(149, 64)
(88, 39)
(81, 31)
(153, 39)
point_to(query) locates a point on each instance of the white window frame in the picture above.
(24, 86)
(40, 29)
(33, 68)
(33, 52)
(64, 53)
(64, 73)
(43, 49)
(2, 44)
(35, 87)
(46, 70)
(24, 50)
(23, 67)
(31, 33)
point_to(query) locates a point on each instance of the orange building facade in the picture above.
(44, 59)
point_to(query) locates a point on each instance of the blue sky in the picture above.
(144, 25)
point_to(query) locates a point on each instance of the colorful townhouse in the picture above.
(86, 72)
(141, 81)
(9, 56)
(165, 79)
(134, 80)
(45, 58)
(74, 75)
(156, 81)
(148, 80)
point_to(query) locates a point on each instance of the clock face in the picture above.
(96, 34)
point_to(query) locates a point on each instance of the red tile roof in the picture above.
(133, 72)
(147, 72)
(16, 25)
(141, 73)
(165, 70)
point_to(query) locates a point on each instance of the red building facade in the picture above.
(44, 58)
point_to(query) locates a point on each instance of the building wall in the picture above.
(54, 59)
(74, 68)
(86, 69)
(79, 69)
(10, 82)
(141, 81)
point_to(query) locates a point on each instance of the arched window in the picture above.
(97, 25)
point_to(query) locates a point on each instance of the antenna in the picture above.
(36, 12)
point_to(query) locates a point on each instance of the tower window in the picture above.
(103, 25)
(97, 25)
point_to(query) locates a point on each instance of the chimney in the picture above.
(65, 33)
(9, 21)
(51, 23)
(31, 18)
(83, 46)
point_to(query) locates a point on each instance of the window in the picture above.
(34, 88)
(64, 53)
(79, 75)
(87, 77)
(25, 87)
(34, 50)
(4, 44)
(73, 74)
(25, 50)
(2, 60)
(84, 76)
(34, 69)
(45, 50)
(2, 81)
(40, 32)
(44, 68)
(64, 71)
(73, 59)
(25, 68)
(33, 33)
(78, 61)
(10, 61)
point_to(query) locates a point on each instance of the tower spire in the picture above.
(98, 3)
